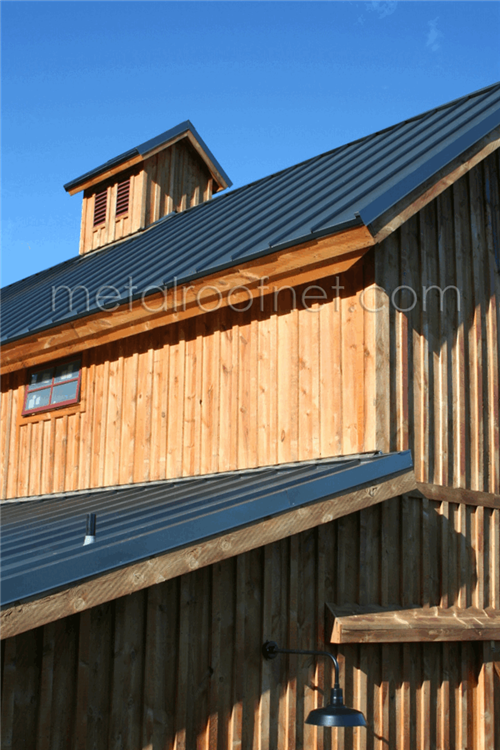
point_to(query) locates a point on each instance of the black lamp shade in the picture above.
(336, 716)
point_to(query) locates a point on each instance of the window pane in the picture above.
(37, 399)
(67, 371)
(41, 378)
(64, 392)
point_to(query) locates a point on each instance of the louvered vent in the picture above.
(122, 197)
(101, 200)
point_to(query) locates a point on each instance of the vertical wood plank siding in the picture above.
(439, 390)
(179, 664)
(227, 390)
(245, 389)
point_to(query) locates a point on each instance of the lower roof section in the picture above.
(42, 538)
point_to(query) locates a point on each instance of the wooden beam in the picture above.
(290, 267)
(458, 495)
(107, 174)
(393, 624)
(434, 186)
(122, 166)
(33, 613)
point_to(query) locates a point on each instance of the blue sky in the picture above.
(266, 84)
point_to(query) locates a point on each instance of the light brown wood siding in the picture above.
(114, 227)
(176, 179)
(438, 390)
(171, 180)
(225, 390)
(179, 665)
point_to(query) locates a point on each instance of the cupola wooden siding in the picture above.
(173, 179)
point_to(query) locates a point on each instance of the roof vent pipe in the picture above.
(90, 533)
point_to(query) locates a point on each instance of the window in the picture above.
(100, 204)
(122, 197)
(53, 387)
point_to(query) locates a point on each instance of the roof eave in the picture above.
(286, 260)
(379, 479)
(451, 162)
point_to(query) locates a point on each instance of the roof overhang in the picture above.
(297, 264)
(149, 533)
(383, 217)
(185, 130)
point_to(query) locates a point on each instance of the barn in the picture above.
(265, 415)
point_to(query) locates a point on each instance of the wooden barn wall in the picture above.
(438, 392)
(232, 390)
(226, 390)
(179, 665)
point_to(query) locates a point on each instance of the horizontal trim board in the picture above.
(394, 624)
(38, 611)
(458, 495)
(111, 172)
(301, 264)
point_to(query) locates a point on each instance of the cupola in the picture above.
(171, 172)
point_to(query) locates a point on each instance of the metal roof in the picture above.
(145, 148)
(349, 186)
(42, 538)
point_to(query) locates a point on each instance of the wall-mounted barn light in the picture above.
(335, 714)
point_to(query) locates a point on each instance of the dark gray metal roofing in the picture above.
(346, 187)
(42, 539)
(145, 148)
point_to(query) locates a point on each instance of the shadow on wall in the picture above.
(441, 283)
(180, 664)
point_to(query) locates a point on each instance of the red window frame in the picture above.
(52, 406)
